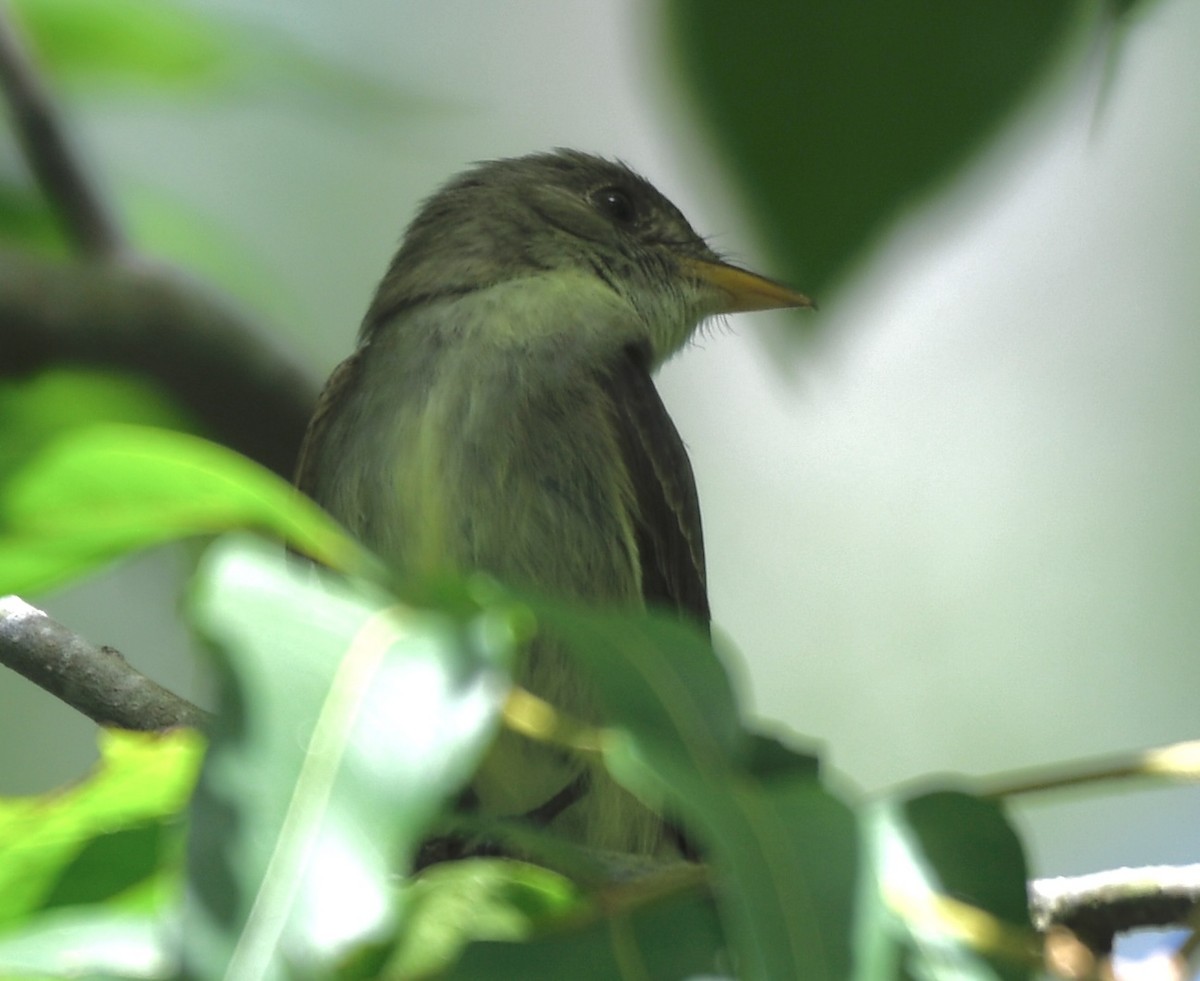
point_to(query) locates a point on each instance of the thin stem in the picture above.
(57, 166)
(1179, 761)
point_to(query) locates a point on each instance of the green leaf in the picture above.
(35, 410)
(345, 722)
(129, 806)
(111, 864)
(835, 117)
(450, 905)
(99, 493)
(783, 849)
(27, 222)
(527, 923)
(656, 675)
(161, 42)
(973, 850)
(937, 860)
(167, 45)
(670, 940)
(1125, 9)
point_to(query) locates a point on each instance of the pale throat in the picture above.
(568, 313)
(470, 380)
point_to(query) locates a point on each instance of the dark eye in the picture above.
(615, 204)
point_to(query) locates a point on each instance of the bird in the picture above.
(498, 415)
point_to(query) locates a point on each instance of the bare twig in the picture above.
(125, 314)
(156, 324)
(90, 224)
(96, 681)
(1177, 761)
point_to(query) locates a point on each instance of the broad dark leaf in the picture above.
(950, 894)
(835, 117)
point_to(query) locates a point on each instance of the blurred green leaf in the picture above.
(1122, 9)
(783, 849)
(450, 905)
(167, 45)
(112, 863)
(101, 492)
(26, 222)
(669, 940)
(169, 228)
(162, 42)
(657, 676)
(972, 848)
(937, 859)
(35, 410)
(48, 843)
(836, 116)
(345, 722)
(97, 943)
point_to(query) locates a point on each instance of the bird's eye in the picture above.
(615, 204)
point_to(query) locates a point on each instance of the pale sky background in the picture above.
(961, 534)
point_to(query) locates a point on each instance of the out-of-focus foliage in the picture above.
(349, 719)
(96, 842)
(347, 723)
(168, 46)
(25, 220)
(34, 411)
(835, 117)
(118, 50)
(100, 492)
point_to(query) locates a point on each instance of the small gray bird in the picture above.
(499, 415)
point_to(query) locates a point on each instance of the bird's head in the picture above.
(580, 226)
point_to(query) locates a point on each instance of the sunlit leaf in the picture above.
(345, 722)
(35, 410)
(49, 843)
(101, 492)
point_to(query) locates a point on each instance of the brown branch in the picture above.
(127, 314)
(96, 681)
(153, 322)
(1099, 906)
(90, 224)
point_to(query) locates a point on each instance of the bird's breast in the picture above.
(505, 467)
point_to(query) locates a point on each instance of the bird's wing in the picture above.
(342, 381)
(667, 524)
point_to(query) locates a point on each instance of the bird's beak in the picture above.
(740, 291)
